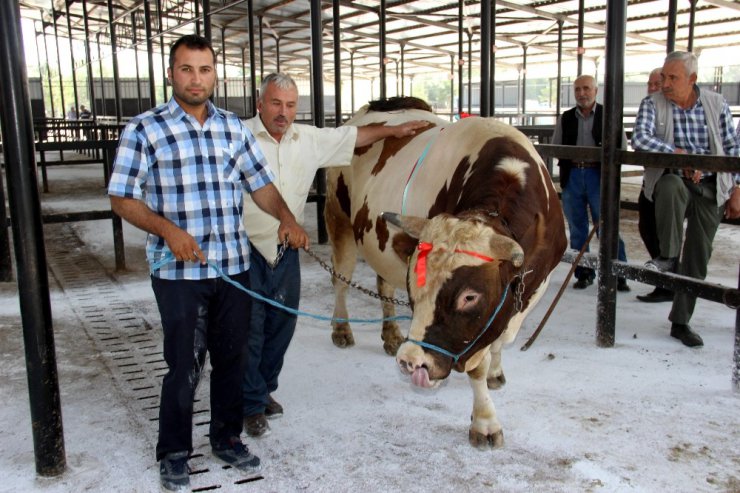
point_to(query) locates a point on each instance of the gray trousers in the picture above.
(675, 200)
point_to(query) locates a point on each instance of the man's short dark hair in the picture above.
(193, 42)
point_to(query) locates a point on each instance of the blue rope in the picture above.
(168, 257)
(456, 357)
(417, 165)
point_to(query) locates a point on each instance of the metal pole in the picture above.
(48, 71)
(88, 60)
(692, 19)
(102, 79)
(317, 96)
(337, 66)
(560, 68)
(38, 61)
(352, 78)
(524, 83)
(277, 54)
(252, 69)
(403, 66)
(244, 81)
(262, 49)
(162, 49)
(150, 53)
(452, 86)
(616, 19)
(581, 49)
(223, 62)
(671, 34)
(135, 41)
(492, 111)
(736, 359)
(470, 71)
(485, 58)
(207, 20)
(59, 59)
(28, 240)
(114, 61)
(72, 60)
(381, 42)
(460, 54)
(197, 17)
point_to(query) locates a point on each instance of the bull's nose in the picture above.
(410, 358)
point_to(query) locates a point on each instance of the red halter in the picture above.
(421, 263)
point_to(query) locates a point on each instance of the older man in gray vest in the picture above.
(683, 119)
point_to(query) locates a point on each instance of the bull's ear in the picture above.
(503, 248)
(411, 225)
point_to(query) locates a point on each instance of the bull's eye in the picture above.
(467, 299)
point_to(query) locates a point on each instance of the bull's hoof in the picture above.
(343, 338)
(496, 382)
(391, 346)
(481, 441)
(392, 338)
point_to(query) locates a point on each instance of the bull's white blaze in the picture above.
(516, 168)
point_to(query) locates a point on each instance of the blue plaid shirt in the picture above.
(689, 130)
(194, 176)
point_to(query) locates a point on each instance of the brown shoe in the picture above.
(273, 409)
(256, 425)
(683, 333)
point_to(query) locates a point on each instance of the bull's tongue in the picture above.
(420, 377)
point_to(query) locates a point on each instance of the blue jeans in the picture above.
(580, 194)
(199, 316)
(271, 329)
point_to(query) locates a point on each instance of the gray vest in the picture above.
(712, 104)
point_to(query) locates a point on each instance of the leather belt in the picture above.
(585, 165)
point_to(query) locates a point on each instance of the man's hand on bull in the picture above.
(183, 246)
(409, 128)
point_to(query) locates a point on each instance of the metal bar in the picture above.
(59, 59)
(492, 111)
(252, 68)
(88, 61)
(692, 19)
(736, 358)
(223, 62)
(352, 78)
(72, 61)
(560, 68)
(244, 82)
(134, 36)
(103, 110)
(470, 71)
(382, 45)
(670, 43)
(337, 65)
(262, 49)
(485, 57)
(207, 32)
(460, 60)
(28, 240)
(610, 168)
(150, 53)
(524, 82)
(317, 96)
(581, 49)
(114, 61)
(162, 49)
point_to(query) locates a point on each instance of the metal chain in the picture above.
(519, 291)
(352, 284)
(281, 252)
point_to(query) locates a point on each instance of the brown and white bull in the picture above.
(481, 228)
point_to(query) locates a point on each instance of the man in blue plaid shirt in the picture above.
(682, 119)
(180, 172)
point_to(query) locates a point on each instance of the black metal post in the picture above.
(492, 111)
(692, 19)
(670, 43)
(560, 68)
(48, 72)
(244, 81)
(28, 240)
(403, 66)
(162, 49)
(337, 65)
(150, 53)
(452, 87)
(581, 48)
(470, 71)
(277, 54)
(114, 61)
(88, 60)
(252, 69)
(382, 53)
(135, 40)
(262, 49)
(196, 11)
(207, 33)
(317, 96)
(524, 83)
(72, 60)
(736, 359)
(103, 110)
(616, 20)
(352, 78)
(460, 60)
(485, 58)
(59, 59)
(223, 62)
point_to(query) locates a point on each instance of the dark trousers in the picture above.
(646, 225)
(199, 316)
(271, 329)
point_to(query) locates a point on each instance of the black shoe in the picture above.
(174, 474)
(237, 455)
(273, 409)
(658, 295)
(622, 285)
(684, 333)
(583, 283)
(256, 425)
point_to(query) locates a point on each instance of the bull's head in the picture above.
(458, 280)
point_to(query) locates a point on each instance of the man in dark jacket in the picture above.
(580, 180)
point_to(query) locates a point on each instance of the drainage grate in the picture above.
(131, 347)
